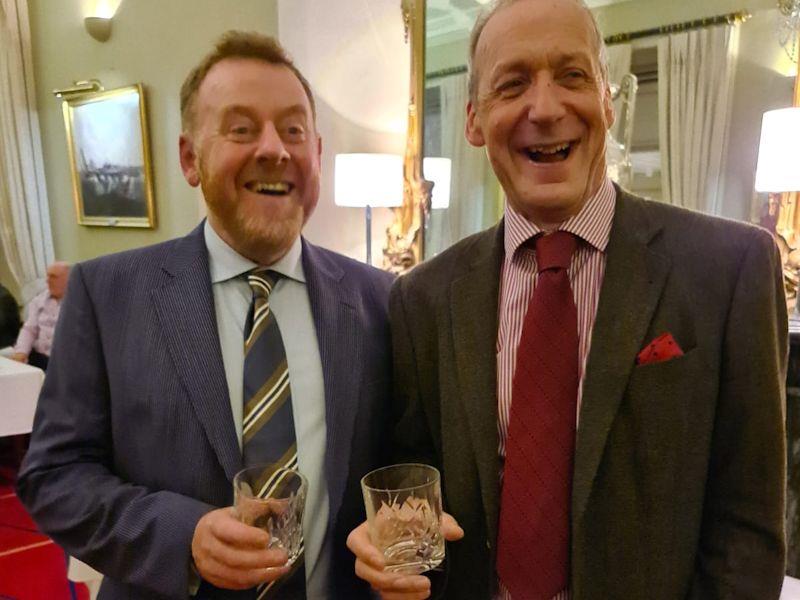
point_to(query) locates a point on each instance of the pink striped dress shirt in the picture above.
(40, 325)
(592, 226)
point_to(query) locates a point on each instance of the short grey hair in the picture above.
(496, 5)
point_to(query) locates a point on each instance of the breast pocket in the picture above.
(663, 413)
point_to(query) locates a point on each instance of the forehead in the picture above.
(536, 30)
(250, 82)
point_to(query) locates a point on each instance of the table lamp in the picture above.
(364, 180)
(778, 171)
(778, 167)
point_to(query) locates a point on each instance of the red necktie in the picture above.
(534, 534)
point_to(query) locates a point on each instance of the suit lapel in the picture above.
(632, 285)
(476, 293)
(340, 348)
(185, 309)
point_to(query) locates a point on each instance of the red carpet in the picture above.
(32, 567)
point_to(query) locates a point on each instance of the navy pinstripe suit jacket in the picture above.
(133, 438)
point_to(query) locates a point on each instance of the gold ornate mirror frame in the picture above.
(406, 236)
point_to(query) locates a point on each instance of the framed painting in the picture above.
(109, 153)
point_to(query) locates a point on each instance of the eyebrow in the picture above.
(248, 111)
(558, 60)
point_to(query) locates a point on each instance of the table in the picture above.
(19, 391)
(791, 589)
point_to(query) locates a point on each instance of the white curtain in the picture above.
(25, 234)
(619, 65)
(695, 83)
(468, 203)
(619, 61)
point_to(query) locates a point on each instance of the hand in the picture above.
(393, 586)
(19, 357)
(232, 555)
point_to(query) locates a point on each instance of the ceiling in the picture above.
(450, 20)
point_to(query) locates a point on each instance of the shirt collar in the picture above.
(225, 263)
(592, 223)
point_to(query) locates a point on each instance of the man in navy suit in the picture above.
(138, 431)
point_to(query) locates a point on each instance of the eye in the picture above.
(295, 131)
(241, 131)
(573, 75)
(511, 86)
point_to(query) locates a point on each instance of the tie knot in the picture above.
(262, 281)
(554, 250)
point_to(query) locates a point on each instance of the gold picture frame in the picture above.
(109, 154)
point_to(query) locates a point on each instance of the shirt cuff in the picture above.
(194, 579)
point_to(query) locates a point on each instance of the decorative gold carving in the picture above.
(405, 237)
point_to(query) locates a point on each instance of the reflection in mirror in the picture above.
(701, 154)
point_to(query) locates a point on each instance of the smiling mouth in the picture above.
(270, 189)
(552, 153)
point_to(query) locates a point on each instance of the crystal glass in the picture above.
(404, 512)
(273, 499)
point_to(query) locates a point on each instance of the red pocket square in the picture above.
(661, 349)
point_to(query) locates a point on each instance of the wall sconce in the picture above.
(98, 17)
(367, 180)
(98, 27)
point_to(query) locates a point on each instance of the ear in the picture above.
(319, 147)
(608, 107)
(188, 156)
(473, 130)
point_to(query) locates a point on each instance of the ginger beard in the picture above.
(260, 226)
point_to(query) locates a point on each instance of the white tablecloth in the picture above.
(19, 391)
(791, 589)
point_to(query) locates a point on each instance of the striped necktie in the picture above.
(268, 434)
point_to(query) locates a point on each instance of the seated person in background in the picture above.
(9, 318)
(36, 336)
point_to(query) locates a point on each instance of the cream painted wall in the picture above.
(154, 42)
(355, 58)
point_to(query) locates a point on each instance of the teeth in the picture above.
(270, 188)
(549, 149)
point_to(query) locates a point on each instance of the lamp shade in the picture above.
(778, 165)
(438, 170)
(368, 180)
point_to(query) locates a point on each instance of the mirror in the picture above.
(762, 78)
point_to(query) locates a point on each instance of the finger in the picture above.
(405, 595)
(451, 530)
(225, 576)
(360, 544)
(232, 532)
(385, 581)
(237, 558)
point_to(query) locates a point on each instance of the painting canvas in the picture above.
(109, 155)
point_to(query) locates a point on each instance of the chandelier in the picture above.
(789, 27)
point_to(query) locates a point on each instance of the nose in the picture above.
(545, 105)
(270, 145)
